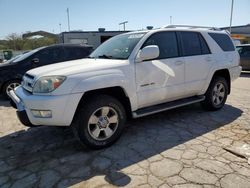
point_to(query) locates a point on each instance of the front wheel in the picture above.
(216, 94)
(99, 122)
(10, 85)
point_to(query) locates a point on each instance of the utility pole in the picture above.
(124, 24)
(68, 19)
(231, 17)
(60, 26)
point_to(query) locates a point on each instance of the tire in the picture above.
(92, 123)
(8, 86)
(216, 94)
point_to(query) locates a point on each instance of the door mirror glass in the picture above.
(148, 53)
(35, 61)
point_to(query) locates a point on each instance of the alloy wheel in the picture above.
(103, 123)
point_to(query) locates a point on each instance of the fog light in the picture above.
(42, 113)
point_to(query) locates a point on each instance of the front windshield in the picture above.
(28, 54)
(118, 47)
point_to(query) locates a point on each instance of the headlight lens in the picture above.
(48, 84)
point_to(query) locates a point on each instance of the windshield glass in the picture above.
(12, 59)
(118, 47)
(28, 54)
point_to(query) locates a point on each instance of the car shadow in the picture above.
(4, 102)
(53, 152)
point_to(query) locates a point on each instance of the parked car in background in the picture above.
(11, 72)
(244, 51)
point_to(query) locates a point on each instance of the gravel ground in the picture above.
(184, 147)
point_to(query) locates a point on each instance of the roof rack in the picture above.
(193, 27)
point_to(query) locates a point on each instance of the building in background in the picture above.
(241, 33)
(92, 38)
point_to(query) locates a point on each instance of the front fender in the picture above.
(101, 81)
(107, 79)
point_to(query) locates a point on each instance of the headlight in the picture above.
(48, 84)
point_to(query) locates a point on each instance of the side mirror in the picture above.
(148, 53)
(35, 61)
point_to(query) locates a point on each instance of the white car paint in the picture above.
(165, 80)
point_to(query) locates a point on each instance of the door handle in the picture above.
(208, 59)
(178, 62)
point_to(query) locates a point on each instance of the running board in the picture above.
(167, 106)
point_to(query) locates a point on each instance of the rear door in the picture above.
(198, 60)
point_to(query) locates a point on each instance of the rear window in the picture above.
(223, 40)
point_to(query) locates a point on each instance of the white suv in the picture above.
(131, 75)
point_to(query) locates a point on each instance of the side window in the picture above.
(223, 40)
(48, 56)
(191, 43)
(167, 43)
(56, 55)
(204, 46)
(245, 51)
(82, 52)
(43, 56)
(73, 53)
(69, 53)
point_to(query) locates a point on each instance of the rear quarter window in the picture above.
(223, 40)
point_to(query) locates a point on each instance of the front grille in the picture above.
(27, 82)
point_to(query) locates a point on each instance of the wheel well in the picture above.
(4, 83)
(116, 92)
(225, 74)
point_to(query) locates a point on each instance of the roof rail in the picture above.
(193, 27)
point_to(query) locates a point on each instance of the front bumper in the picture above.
(21, 113)
(63, 107)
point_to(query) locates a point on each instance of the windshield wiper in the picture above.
(105, 56)
(90, 57)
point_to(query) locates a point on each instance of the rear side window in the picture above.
(167, 43)
(223, 40)
(193, 44)
(190, 43)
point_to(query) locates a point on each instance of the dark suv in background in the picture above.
(11, 72)
(244, 51)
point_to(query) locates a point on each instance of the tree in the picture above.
(15, 41)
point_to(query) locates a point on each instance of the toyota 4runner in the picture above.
(131, 75)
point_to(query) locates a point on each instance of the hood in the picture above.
(76, 67)
(6, 65)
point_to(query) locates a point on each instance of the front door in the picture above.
(161, 79)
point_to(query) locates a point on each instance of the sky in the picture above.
(20, 16)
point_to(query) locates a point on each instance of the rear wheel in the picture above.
(216, 94)
(99, 122)
(10, 85)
